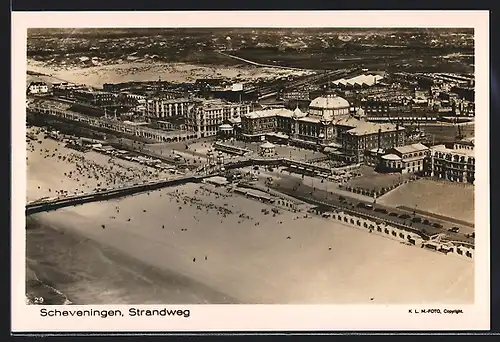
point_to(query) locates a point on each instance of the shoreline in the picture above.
(59, 287)
(256, 278)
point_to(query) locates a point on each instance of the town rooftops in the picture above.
(411, 148)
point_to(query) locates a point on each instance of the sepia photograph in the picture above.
(250, 165)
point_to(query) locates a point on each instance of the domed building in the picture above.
(328, 122)
(329, 107)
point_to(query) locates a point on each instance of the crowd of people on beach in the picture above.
(87, 174)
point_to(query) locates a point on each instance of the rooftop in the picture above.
(178, 100)
(267, 113)
(461, 152)
(411, 148)
(329, 102)
(267, 145)
(391, 157)
(348, 121)
(309, 119)
(37, 83)
(364, 127)
(467, 141)
(226, 126)
(359, 80)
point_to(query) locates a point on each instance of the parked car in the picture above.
(416, 219)
(404, 216)
(393, 214)
(427, 222)
(381, 210)
(437, 225)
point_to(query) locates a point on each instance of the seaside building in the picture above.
(94, 97)
(367, 136)
(38, 88)
(66, 90)
(404, 159)
(464, 144)
(327, 123)
(463, 107)
(165, 108)
(454, 164)
(131, 99)
(207, 117)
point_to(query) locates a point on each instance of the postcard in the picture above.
(250, 171)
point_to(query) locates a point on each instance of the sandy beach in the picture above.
(185, 244)
(55, 170)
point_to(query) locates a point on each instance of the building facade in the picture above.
(368, 136)
(404, 159)
(38, 88)
(465, 144)
(165, 108)
(95, 98)
(453, 164)
(206, 117)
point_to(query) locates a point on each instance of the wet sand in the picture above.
(151, 248)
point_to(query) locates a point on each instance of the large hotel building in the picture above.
(329, 122)
(208, 116)
(455, 164)
(204, 117)
(165, 108)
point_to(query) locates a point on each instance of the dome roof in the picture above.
(329, 102)
(267, 145)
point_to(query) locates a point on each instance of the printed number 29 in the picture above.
(38, 300)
